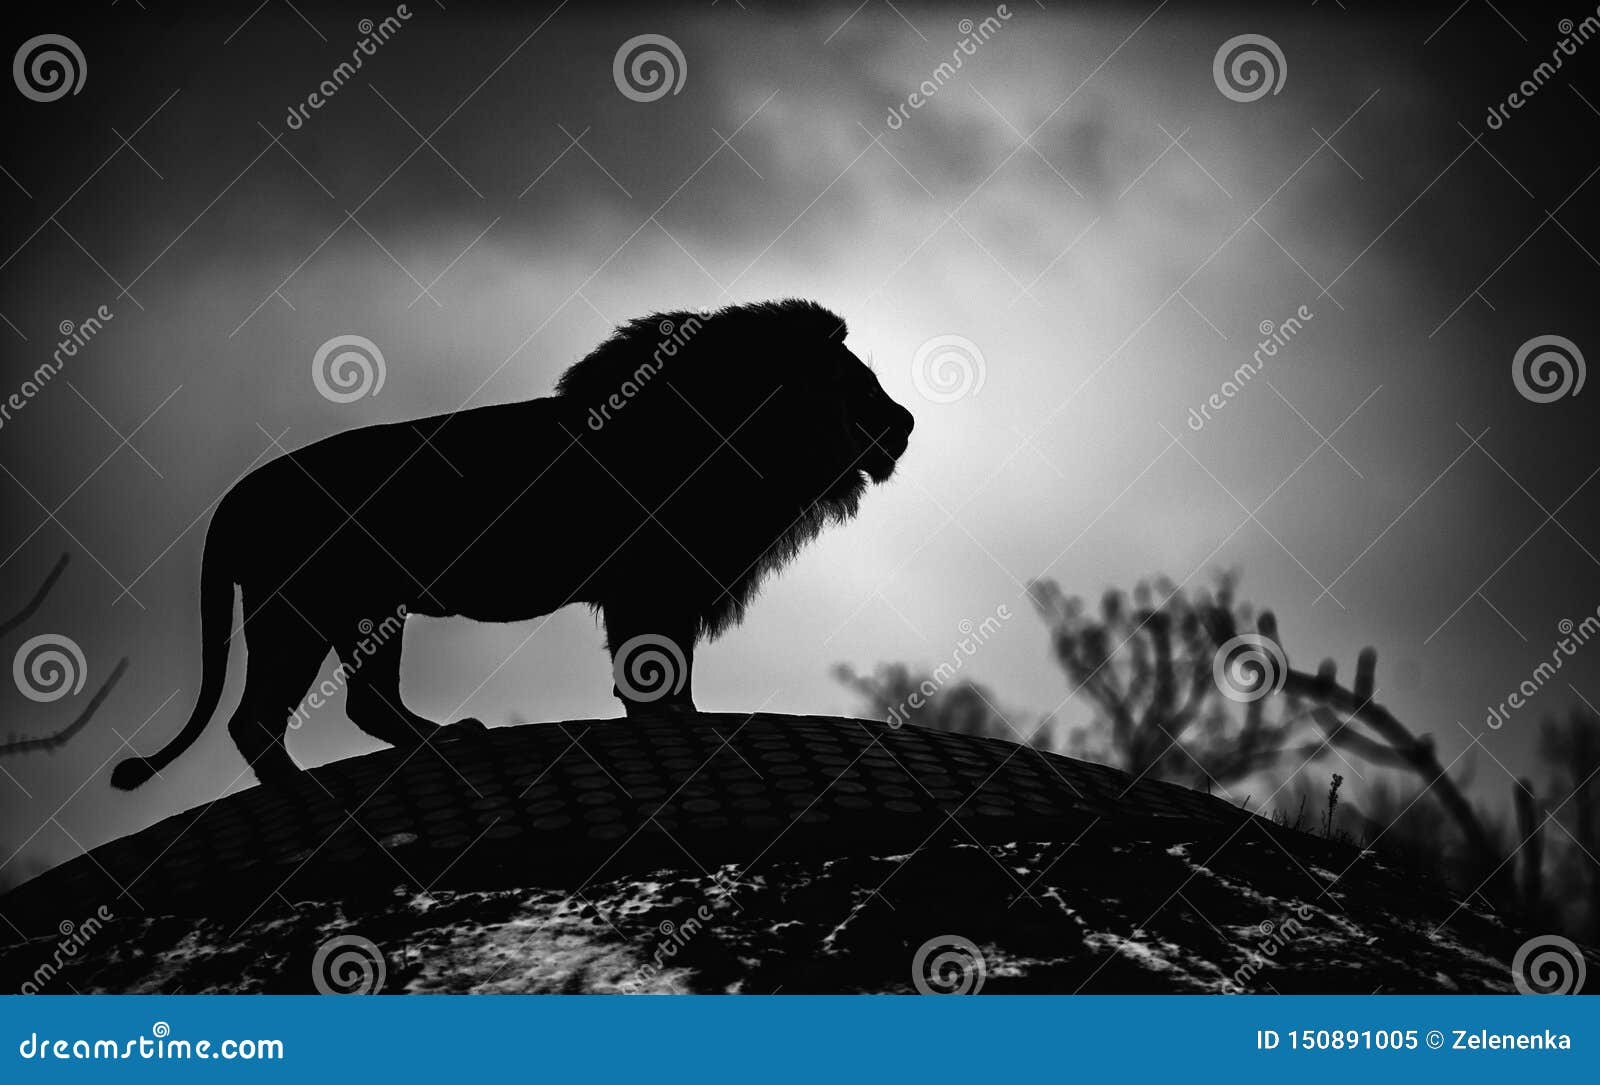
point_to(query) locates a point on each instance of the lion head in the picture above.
(739, 433)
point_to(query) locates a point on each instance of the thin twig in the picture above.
(61, 737)
(33, 604)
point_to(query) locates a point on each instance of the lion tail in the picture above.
(216, 615)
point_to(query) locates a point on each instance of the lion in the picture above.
(687, 458)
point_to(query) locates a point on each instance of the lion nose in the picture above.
(900, 428)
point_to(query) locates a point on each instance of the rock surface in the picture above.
(733, 853)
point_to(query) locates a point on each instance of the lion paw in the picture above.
(673, 709)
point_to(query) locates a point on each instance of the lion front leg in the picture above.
(652, 660)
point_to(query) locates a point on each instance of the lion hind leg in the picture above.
(283, 657)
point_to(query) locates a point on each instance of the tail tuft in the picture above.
(131, 773)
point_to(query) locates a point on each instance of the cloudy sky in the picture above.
(1081, 202)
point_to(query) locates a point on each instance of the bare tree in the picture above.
(32, 605)
(53, 741)
(1570, 748)
(896, 693)
(1196, 688)
(1194, 694)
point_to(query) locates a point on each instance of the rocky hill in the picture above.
(732, 853)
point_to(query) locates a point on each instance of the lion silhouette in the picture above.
(685, 459)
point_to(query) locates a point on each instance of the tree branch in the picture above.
(61, 737)
(33, 604)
